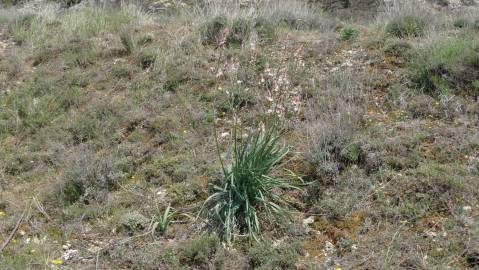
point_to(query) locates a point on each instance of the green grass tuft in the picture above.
(348, 33)
(248, 186)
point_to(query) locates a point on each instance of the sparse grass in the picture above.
(106, 113)
(334, 116)
(34, 30)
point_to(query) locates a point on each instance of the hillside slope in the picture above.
(118, 124)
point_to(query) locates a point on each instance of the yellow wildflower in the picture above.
(57, 262)
(2, 214)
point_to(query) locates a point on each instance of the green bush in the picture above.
(466, 23)
(348, 33)
(240, 31)
(406, 26)
(236, 98)
(89, 176)
(265, 255)
(461, 23)
(265, 29)
(199, 252)
(122, 71)
(350, 153)
(398, 48)
(147, 58)
(69, 3)
(127, 40)
(476, 24)
(248, 186)
(145, 39)
(447, 67)
(213, 29)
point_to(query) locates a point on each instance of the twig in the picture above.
(41, 209)
(392, 242)
(15, 229)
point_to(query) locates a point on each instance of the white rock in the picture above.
(308, 221)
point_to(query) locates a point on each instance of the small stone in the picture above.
(69, 254)
(308, 221)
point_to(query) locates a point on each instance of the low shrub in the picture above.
(265, 255)
(461, 23)
(447, 67)
(213, 31)
(199, 252)
(406, 26)
(88, 176)
(265, 29)
(468, 23)
(334, 114)
(348, 33)
(145, 39)
(147, 58)
(397, 48)
(240, 31)
(307, 21)
(127, 41)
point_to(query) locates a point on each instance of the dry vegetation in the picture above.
(228, 135)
